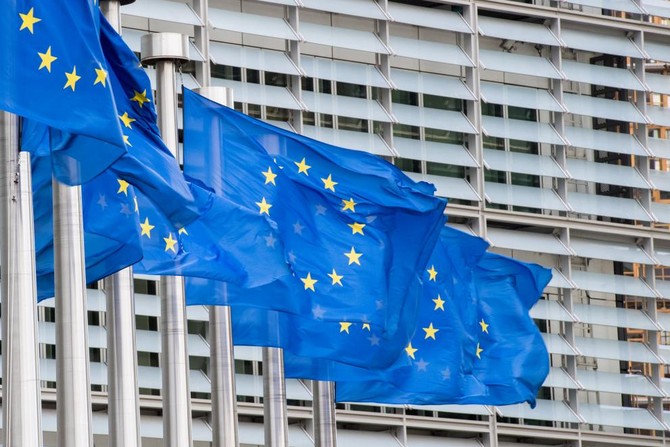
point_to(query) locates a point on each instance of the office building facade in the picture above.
(543, 122)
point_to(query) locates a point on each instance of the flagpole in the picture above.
(166, 50)
(274, 398)
(323, 408)
(73, 382)
(123, 399)
(222, 362)
(21, 399)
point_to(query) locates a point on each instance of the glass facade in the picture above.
(543, 122)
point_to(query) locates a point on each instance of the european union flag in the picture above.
(226, 243)
(56, 74)
(111, 235)
(354, 227)
(148, 164)
(475, 342)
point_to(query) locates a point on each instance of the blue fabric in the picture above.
(148, 164)
(111, 237)
(52, 51)
(226, 243)
(487, 349)
(343, 217)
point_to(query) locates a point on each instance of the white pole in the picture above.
(274, 398)
(165, 49)
(323, 407)
(22, 415)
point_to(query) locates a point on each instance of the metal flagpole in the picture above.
(222, 363)
(73, 391)
(123, 408)
(323, 408)
(165, 50)
(22, 416)
(274, 398)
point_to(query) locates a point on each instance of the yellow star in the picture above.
(264, 206)
(123, 186)
(357, 228)
(432, 272)
(170, 243)
(270, 176)
(140, 98)
(484, 325)
(127, 141)
(349, 205)
(328, 183)
(344, 326)
(410, 350)
(47, 59)
(430, 331)
(439, 303)
(28, 20)
(366, 326)
(479, 351)
(309, 282)
(101, 77)
(72, 78)
(126, 120)
(337, 279)
(353, 256)
(182, 230)
(302, 166)
(146, 228)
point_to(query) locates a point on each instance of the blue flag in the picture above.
(343, 217)
(475, 342)
(111, 235)
(56, 75)
(148, 164)
(226, 243)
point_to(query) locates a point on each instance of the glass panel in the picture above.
(607, 206)
(438, 441)
(356, 8)
(558, 280)
(602, 108)
(344, 106)
(342, 38)
(660, 179)
(186, 79)
(429, 51)
(659, 8)
(362, 141)
(255, 58)
(524, 240)
(449, 187)
(558, 378)
(657, 50)
(603, 141)
(615, 350)
(522, 163)
(557, 344)
(620, 284)
(664, 318)
(613, 316)
(163, 10)
(264, 95)
(659, 115)
(619, 416)
(251, 24)
(370, 439)
(518, 63)
(433, 118)
(512, 95)
(252, 353)
(658, 82)
(528, 196)
(662, 212)
(435, 152)
(633, 384)
(428, 17)
(599, 75)
(430, 83)
(550, 310)
(598, 42)
(317, 67)
(608, 174)
(546, 410)
(613, 251)
(516, 30)
(520, 130)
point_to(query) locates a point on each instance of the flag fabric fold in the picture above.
(343, 217)
(59, 78)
